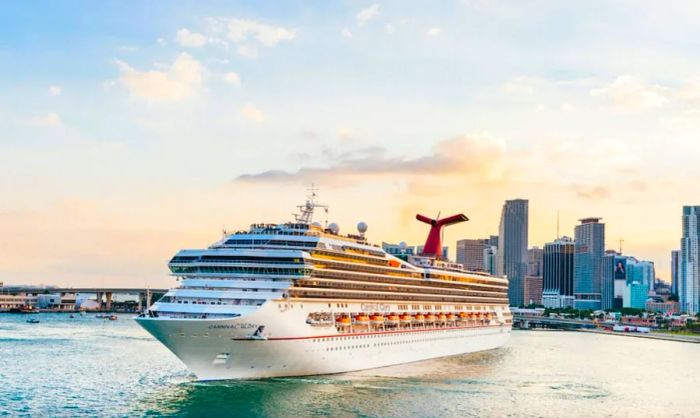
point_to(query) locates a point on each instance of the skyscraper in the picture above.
(588, 263)
(689, 278)
(512, 247)
(534, 261)
(558, 273)
(675, 270)
(611, 271)
(470, 253)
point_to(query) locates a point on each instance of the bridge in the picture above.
(104, 294)
(533, 321)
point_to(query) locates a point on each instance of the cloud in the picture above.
(346, 33)
(248, 51)
(161, 41)
(246, 30)
(182, 80)
(190, 39)
(522, 85)
(365, 15)
(389, 28)
(476, 155)
(591, 192)
(252, 113)
(51, 120)
(433, 32)
(233, 78)
(632, 93)
(55, 90)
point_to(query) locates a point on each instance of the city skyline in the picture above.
(132, 132)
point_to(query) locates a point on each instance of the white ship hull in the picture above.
(218, 349)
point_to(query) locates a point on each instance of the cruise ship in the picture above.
(300, 298)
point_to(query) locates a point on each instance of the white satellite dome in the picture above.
(403, 245)
(316, 224)
(334, 227)
(362, 227)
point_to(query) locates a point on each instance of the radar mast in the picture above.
(306, 211)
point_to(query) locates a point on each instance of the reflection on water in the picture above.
(87, 366)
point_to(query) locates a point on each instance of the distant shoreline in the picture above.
(652, 335)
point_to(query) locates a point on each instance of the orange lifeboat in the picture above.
(405, 318)
(362, 319)
(463, 316)
(430, 318)
(442, 317)
(419, 318)
(344, 321)
(451, 317)
(376, 319)
(393, 319)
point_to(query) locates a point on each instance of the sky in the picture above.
(133, 129)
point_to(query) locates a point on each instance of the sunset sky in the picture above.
(133, 129)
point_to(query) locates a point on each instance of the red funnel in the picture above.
(433, 245)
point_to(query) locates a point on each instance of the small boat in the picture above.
(362, 319)
(405, 319)
(344, 321)
(112, 317)
(451, 317)
(393, 319)
(376, 319)
(430, 318)
(32, 321)
(420, 318)
(71, 316)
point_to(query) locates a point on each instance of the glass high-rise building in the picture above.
(675, 270)
(512, 247)
(689, 277)
(558, 273)
(588, 263)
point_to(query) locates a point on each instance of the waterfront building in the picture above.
(612, 264)
(534, 261)
(689, 278)
(642, 272)
(588, 262)
(471, 253)
(512, 247)
(532, 290)
(635, 295)
(15, 301)
(668, 307)
(675, 270)
(558, 273)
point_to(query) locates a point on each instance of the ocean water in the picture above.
(93, 367)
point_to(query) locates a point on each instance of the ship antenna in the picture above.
(306, 211)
